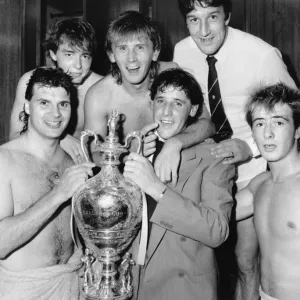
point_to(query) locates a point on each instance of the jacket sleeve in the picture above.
(206, 220)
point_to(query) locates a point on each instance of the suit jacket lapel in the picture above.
(189, 162)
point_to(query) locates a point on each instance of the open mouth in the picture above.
(133, 69)
(269, 147)
(206, 40)
(53, 124)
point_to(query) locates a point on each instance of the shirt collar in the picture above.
(226, 48)
(159, 137)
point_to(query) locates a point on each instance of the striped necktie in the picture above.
(218, 116)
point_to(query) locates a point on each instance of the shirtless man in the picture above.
(273, 197)
(133, 46)
(70, 45)
(37, 178)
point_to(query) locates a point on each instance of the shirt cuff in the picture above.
(251, 143)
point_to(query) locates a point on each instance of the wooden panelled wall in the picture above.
(278, 23)
(11, 27)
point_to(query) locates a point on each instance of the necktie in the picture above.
(218, 116)
(151, 203)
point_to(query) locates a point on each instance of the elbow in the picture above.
(4, 252)
(218, 235)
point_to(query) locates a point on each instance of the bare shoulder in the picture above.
(101, 91)
(165, 65)
(92, 79)
(258, 181)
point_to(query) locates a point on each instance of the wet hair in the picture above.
(46, 77)
(186, 6)
(182, 81)
(74, 31)
(127, 25)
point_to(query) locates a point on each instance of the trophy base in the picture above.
(116, 297)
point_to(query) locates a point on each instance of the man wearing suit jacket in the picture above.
(188, 219)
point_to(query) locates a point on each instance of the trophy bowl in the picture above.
(108, 214)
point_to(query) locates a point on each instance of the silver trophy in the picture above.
(108, 214)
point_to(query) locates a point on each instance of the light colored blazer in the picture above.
(188, 222)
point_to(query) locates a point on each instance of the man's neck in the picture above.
(285, 167)
(137, 89)
(39, 146)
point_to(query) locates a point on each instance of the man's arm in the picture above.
(206, 221)
(167, 162)
(96, 106)
(16, 230)
(96, 109)
(244, 204)
(16, 125)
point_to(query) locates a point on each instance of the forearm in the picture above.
(196, 221)
(16, 230)
(194, 133)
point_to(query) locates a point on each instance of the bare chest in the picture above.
(134, 115)
(277, 211)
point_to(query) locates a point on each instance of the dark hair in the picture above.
(268, 97)
(182, 81)
(186, 6)
(75, 31)
(48, 77)
(127, 24)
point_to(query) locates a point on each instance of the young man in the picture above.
(190, 219)
(133, 46)
(273, 197)
(37, 178)
(238, 62)
(71, 45)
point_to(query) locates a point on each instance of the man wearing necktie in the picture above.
(229, 65)
(188, 219)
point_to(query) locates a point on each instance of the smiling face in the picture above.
(75, 61)
(208, 27)
(49, 111)
(274, 132)
(171, 109)
(133, 55)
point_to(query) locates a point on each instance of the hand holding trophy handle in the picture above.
(138, 136)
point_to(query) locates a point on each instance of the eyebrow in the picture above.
(273, 117)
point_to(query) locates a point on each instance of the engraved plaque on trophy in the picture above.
(108, 214)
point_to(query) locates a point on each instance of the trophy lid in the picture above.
(111, 141)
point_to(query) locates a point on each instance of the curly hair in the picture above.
(47, 77)
(126, 25)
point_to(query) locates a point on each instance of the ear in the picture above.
(228, 19)
(52, 55)
(297, 133)
(155, 55)
(26, 107)
(111, 57)
(194, 110)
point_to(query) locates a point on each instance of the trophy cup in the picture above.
(108, 213)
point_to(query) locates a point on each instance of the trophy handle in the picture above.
(132, 135)
(83, 141)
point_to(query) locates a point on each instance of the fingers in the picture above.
(150, 127)
(136, 157)
(149, 146)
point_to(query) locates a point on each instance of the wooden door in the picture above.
(11, 53)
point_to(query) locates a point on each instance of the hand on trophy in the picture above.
(141, 172)
(71, 179)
